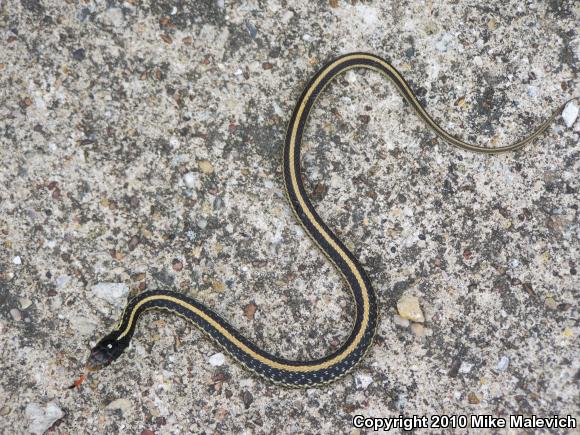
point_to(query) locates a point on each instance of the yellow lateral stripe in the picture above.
(420, 110)
(300, 373)
(314, 222)
(222, 331)
(352, 266)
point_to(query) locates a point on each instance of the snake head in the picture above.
(106, 351)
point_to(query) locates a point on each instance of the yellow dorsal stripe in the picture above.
(311, 218)
(322, 232)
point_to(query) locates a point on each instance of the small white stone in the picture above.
(401, 402)
(443, 42)
(503, 363)
(220, 4)
(174, 142)
(113, 17)
(17, 260)
(276, 238)
(62, 281)
(24, 303)
(362, 381)
(369, 16)
(465, 367)
(42, 419)
(16, 314)
(247, 382)
(350, 76)
(398, 320)
(533, 91)
(409, 308)
(217, 359)
(113, 292)
(570, 113)
(190, 180)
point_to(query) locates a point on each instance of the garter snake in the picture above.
(274, 368)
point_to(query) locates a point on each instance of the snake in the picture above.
(274, 368)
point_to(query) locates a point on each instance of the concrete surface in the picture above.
(140, 149)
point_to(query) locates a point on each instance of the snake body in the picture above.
(274, 368)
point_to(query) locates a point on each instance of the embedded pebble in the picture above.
(113, 17)
(17, 260)
(533, 91)
(112, 292)
(24, 303)
(217, 359)
(123, 405)
(472, 398)
(444, 42)
(247, 398)
(503, 363)
(362, 381)
(250, 310)
(409, 308)
(570, 113)
(350, 76)
(190, 180)
(82, 325)
(465, 367)
(41, 419)
(251, 29)
(418, 329)
(551, 303)
(16, 314)
(177, 265)
(62, 281)
(174, 142)
(205, 166)
(183, 83)
(398, 320)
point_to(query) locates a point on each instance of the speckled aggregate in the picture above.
(140, 145)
